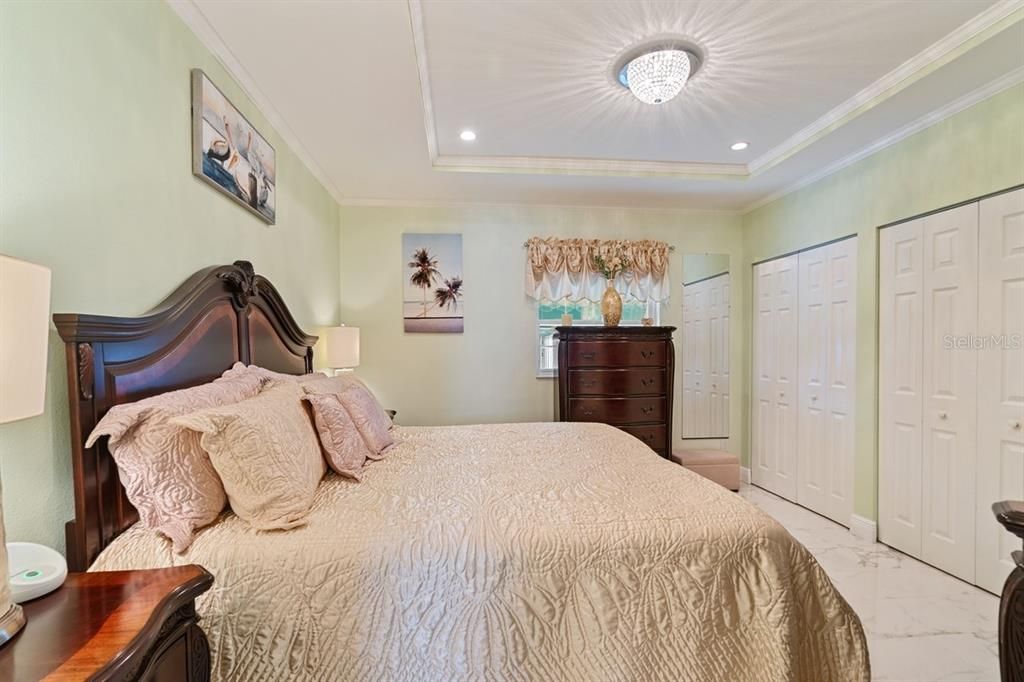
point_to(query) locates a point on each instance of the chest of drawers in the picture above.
(620, 376)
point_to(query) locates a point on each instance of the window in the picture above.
(584, 313)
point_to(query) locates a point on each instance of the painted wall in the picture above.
(488, 373)
(975, 152)
(698, 266)
(95, 171)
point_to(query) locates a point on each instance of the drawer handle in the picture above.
(647, 354)
(646, 382)
(587, 356)
(647, 409)
(588, 412)
(649, 437)
(587, 383)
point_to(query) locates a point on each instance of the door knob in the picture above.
(943, 415)
(1015, 425)
(814, 398)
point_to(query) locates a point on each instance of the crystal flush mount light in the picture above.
(657, 73)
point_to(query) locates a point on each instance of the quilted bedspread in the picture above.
(516, 552)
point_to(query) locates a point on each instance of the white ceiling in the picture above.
(373, 95)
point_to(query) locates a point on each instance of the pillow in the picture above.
(343, 445)
(239, 369)
(373, 423)
(165, 472)
(266, 453)
(342, 382)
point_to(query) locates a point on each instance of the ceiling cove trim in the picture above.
(468, 205)
(193, 16)
(974, 32)
(967, 101)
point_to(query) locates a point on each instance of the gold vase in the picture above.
(611, 306)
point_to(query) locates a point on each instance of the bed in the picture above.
(553, 551)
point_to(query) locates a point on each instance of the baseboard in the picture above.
(863, 528)
(744, 475)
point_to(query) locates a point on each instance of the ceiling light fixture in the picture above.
(467, 136)
(739, 146)
(657, 74)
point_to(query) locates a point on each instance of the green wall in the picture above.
(96, 182)
(488, 374)
(975, 152)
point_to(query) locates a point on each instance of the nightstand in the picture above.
(117, 625)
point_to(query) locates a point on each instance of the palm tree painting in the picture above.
(433, 265)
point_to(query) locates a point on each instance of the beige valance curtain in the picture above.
(559, 269)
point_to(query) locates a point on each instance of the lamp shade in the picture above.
(342, 347)
(24, 326)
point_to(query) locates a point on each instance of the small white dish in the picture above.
(34, 570)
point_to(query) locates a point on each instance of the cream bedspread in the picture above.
(516, 552)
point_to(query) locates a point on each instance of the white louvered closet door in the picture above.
(828, 338)
(950, 387)
(1000, 472)
(900, 396)
(775, 366)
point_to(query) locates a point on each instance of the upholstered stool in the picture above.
(717, 465)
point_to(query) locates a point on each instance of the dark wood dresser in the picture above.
(620, 376)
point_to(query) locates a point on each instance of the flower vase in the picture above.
(611, 306)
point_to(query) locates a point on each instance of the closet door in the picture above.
(950, 267)
(827, 379)
(1000, 473)
(718, 358)
(900, 325)
(812, 470)
(696, 360)
(775, 349)
(689, 360)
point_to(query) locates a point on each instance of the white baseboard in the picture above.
(744, 475)
(863, 528)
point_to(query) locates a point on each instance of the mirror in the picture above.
(705, 346)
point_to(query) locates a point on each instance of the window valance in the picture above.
(558, 269)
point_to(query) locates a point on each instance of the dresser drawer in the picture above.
(617, 410)
(619, 382)
(616, 353)
(652, 436)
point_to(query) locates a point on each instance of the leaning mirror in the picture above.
(705, 346)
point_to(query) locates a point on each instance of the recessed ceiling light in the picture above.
(467, 136)
(739, 146)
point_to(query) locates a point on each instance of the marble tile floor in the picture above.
(922, 625)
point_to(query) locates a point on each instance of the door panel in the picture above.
(950, 276)
(813, 445)
(841, 372)
(1000, 454)
(900, 329)
(763, 414)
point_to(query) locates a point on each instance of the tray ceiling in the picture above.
(374, 95)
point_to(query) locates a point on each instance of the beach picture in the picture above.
(228, 153)
(433, 289)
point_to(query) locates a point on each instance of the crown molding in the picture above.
(967, 36)
(977, 96)
(974, 32)
(193, 17)
(383, 202)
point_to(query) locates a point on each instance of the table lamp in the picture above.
(341, 347)
(24, 327)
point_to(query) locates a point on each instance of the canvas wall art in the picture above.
(433, 288)
(228, 153)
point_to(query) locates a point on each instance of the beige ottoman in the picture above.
(717, 465)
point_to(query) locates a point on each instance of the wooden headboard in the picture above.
(218, 316)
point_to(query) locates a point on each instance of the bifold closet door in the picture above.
(900, 395)
(775, 350)
(1000, 471)
(718, 356)
(950, 415)
(827, 372)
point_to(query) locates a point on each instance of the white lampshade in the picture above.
(341, 347)
(24, 327)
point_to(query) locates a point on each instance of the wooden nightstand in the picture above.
(118, 625)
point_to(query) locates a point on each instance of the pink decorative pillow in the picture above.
(343, 445)
(373, 423)
(342, 382)
(166, 473)
(239, 369)
(266, 453)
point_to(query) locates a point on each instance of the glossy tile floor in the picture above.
(921, 624)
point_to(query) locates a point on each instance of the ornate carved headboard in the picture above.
(218, 316)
